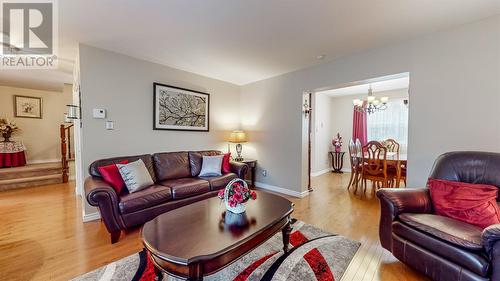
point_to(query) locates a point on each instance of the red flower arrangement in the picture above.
(237, 194)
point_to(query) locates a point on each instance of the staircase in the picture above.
(30, 175)
(41, 174)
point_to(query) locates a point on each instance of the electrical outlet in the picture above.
(264, 173)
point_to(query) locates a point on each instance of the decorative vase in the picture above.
(6, 136)
(239, 208)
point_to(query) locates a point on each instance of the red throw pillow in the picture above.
(111, 175)
(471, 203)
(226, 167)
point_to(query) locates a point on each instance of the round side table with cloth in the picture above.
(12, 154)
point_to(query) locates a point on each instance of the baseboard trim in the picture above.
(91, 217)
(41, 161)
(281, 190)
(319, 173)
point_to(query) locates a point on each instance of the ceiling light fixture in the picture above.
(371, 104)
(320, 57)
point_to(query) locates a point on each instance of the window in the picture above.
(391, 123)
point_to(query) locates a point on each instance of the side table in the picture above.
(337, 161)
(12, 154)
(252, 164)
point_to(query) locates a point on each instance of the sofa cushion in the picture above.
(135, 175)
(220, 182)
(471, 203)
(472, 260)
(226, 163)
(450, 230)
(111, 175)
(146, 158)
(145, 198)
(196, 160)
(186, 187)
(211, 166)
(171, 165)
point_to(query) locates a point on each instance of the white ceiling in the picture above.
(380, 86)
(245, 41)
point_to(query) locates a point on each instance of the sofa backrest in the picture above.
(196, 160)
(146, 158)
(468, 166)
(171, 165)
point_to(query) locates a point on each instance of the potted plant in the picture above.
(236, 195)
(7, 128)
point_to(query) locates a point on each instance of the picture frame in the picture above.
(180, 109)
(28, 107)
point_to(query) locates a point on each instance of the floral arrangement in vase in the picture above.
(337, 142)
(236, 195)
(7, 128)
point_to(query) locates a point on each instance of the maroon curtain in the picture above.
(359, 128)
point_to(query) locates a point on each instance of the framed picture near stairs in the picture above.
(28, 107)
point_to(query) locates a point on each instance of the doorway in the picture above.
(370, 110)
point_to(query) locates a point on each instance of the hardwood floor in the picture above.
(42, 236)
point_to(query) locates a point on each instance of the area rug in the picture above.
(315, 255)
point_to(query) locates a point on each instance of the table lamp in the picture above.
(238, 137)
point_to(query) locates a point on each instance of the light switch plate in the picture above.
(110, 125)
(99, 113)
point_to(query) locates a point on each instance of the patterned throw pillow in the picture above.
(135, 175)
(211, 166)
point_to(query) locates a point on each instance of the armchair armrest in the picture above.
(102, 195)
(490, 236)
(491, 243)
(240, 169)
(395, 201)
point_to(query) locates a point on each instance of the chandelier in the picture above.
(371, 104)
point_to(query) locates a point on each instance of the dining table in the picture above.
(397, 160)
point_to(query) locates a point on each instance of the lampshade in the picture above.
(237, 137)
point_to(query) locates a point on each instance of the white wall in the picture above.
(323, 133)
(454, 89)
(40, 136)
(124, 87)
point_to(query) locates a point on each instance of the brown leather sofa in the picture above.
(443, 248)
(176, 183)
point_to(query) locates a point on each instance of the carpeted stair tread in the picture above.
(32, 170)
(16, 183)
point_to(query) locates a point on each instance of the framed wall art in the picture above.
(27, 107)
(180, 109)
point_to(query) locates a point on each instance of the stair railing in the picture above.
(66, 154)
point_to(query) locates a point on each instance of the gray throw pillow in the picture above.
(135, 175)
(211, 166)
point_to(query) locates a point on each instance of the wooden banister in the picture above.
(65, 133)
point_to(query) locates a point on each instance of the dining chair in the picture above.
(391, 145)
(374, 165)
(355, 167)
(403, 172)
(359, 147)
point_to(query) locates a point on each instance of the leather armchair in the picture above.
(439, 247)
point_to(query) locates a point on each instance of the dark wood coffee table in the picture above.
(193, 241)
